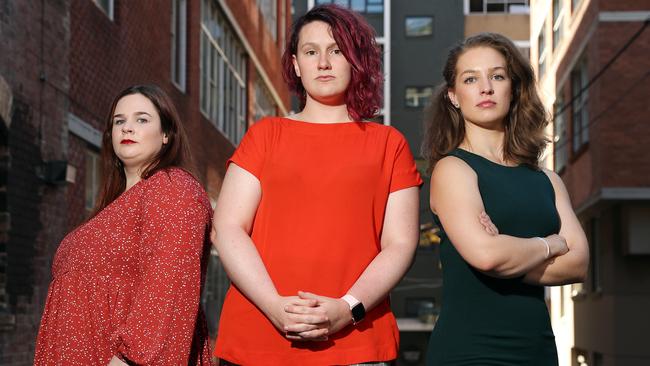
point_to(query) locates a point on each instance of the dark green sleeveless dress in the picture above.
(487, 321)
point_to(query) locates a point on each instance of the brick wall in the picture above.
(35, 35)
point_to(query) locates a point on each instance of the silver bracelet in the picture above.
(548, 247)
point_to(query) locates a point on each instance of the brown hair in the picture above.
(175, 153)
(524, 124)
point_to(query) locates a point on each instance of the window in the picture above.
(558, 15)
(264, 104)
(541, 52)
(417, 97)
(580, 113)
(361, 6)
(575, 4)
(223, 74)
(419, 26)
(179, 42)
(269, 9)
(593, 238)
(560, 140)
(107, 7)
(499, 6)
(93, 178)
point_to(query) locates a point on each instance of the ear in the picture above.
(295, 65)
(452, 97)
(165, 139)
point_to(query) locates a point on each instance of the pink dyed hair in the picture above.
(356, 40)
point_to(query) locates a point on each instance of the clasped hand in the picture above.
(309, 317)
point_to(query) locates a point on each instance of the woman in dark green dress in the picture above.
(485, 138)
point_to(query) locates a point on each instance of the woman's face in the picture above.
(319, 63)
(483, 89)
(137, 135)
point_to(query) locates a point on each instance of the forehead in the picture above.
(135, 101)
(478, 58)
(315, 32)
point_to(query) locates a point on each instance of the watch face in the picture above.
(358, 312)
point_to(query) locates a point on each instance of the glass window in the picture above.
(419, 26)
(223, 74)
(417, 97)
(361, 6)
(541, 52)
(93, 178)
(264, 103)
(107, 7)
(178, 42)
(560, 136)
(499, 6)
(269, 10)
(580, 115)
(557, 23)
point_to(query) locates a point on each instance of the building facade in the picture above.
(591, 60)
(219, 60)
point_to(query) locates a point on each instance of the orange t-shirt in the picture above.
(317, 227)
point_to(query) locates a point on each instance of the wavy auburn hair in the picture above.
(524, 124)
(356, 40)
(175, 153)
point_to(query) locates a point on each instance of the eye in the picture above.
(498, 77)
(469, 80)
(336, 51)
(310, 52)
(118, 121)
(142, 120)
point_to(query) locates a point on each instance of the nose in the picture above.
(324, 61)
(127, 127)
(486, 87)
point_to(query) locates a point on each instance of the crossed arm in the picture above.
(503, 255)
(307, 316)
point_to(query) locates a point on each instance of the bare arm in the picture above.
(233, 218)
(456, 199)
(572, 266)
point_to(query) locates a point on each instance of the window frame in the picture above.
(418, 17)
(179, 44)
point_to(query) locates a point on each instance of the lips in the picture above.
(127, 142)
(486, 104)
(325, 78)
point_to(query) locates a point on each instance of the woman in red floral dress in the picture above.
(126, 284)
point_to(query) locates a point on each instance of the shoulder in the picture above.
(451, 168)
(174, 183)
(264, 124)
(556, 181)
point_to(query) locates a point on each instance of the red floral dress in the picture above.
(127, 283)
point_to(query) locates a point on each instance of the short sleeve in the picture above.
(404, 173)
(250, 153)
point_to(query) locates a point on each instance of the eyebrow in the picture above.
(490, 69)
(312, 44)
(136, 113)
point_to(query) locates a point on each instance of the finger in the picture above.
(301, 327)
(308, 319)
(303, 310)
(309, 295)
(313, 334)
(303, 302)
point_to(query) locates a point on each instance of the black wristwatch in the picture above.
(356, 307)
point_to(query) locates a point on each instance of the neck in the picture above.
(132, 177)
(321, 112)
(487, 142)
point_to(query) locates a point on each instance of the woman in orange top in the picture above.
(317, 218)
